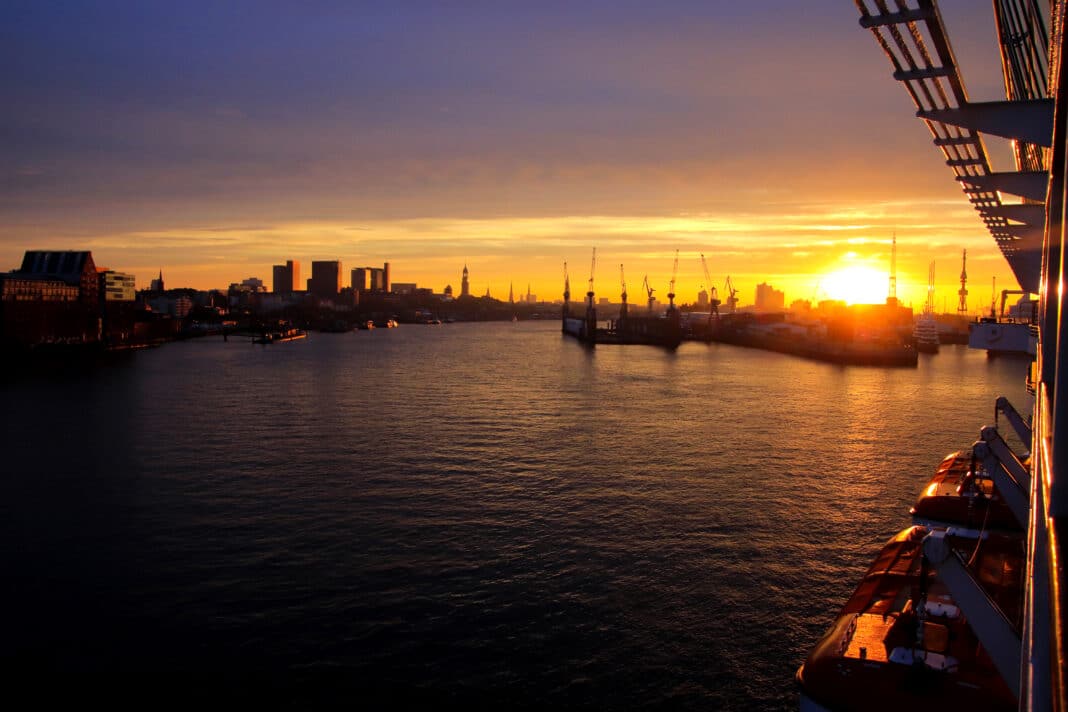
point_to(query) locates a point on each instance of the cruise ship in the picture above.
(949, 617)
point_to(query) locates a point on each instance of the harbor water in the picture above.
(467, 513)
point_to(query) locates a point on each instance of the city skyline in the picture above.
(510, 138)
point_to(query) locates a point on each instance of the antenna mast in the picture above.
(962, 305)
(928, 308)
(892, 297)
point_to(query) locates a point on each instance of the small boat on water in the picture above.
(902, 642)
(278, 337)
(926, 335)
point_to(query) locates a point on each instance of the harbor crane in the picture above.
(589, 290)
(671, 287)
(732, 296)
(623, 283)
(713, 296)
(649, 292)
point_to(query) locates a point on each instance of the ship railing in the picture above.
(1011, 477)
(1022, 429)
(1042, 676)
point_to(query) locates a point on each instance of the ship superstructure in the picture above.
(1022, 640)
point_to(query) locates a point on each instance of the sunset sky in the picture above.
(212, 140)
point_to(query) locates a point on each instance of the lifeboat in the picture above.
(901, 642)
(962, 494)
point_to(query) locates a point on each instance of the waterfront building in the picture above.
(465, 284)
(287, 277)
(361, 279)
(448, 291)
(372, 279)
(117, 286)
(325, 281)
(70, 266)
(404, 288)
(702, 299)
(378, 279)
(769, 299)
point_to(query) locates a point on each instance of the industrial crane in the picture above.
(671, 287)
(593, 265)
(732, 296)
(713, 295)
(567, 293)
(649, 292)
(623, 283)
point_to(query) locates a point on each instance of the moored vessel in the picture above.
(926, 335)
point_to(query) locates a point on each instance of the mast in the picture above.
(891, 298)
(962, 305)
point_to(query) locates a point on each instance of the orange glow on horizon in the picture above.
(856, 285)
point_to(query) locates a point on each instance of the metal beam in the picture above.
(1024, 120)
(1027, 213)
(893, 18)
(907, 75)
(999, 638)
(1026, 184)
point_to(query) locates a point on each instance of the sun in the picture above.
(856, 285)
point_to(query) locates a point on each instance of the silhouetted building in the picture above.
(325, 281)
(287, 277)
(372, 279)
(378, 279)
(465, 285)
(404, 288)
(54, 297)
(361, 279)
(70, 266)
(157, 284)
(769, 299)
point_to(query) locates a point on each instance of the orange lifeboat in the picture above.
(901, 642)
(962, 495)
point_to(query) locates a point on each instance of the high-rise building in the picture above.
(465, 285)
(387, 285)
(377, 279)
(769, 299)
(325, 281)
(287, 277)
(361, 279)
